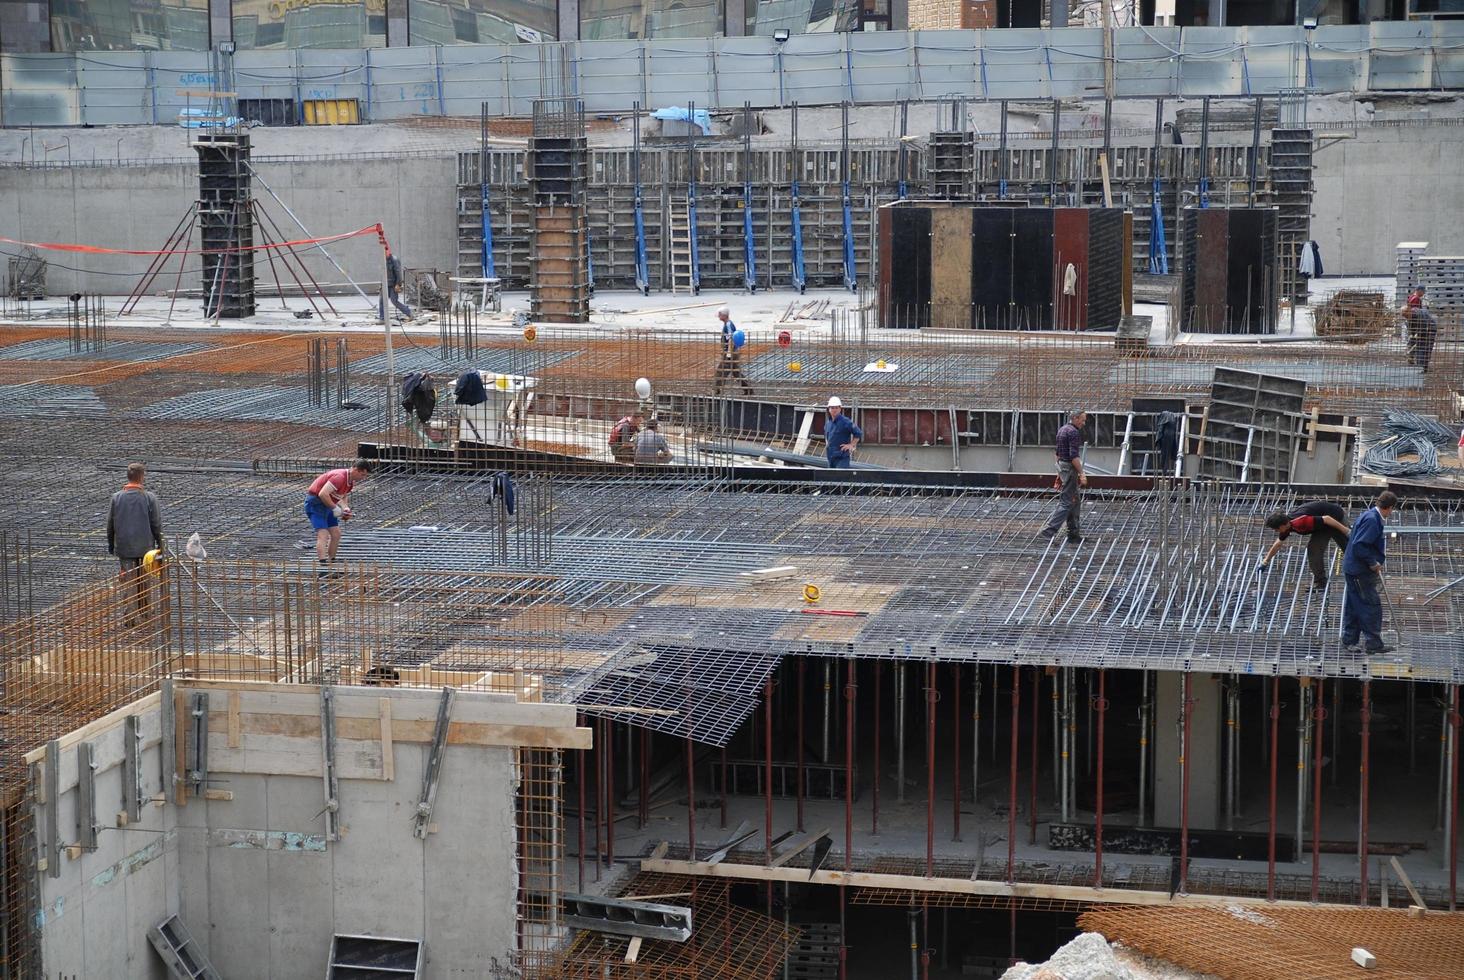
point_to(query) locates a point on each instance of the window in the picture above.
(309, 24)
(129, 25)
(620, 19)
(482, 21)
(802, 16)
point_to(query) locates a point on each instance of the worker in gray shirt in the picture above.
(134, 527)
(650, 446)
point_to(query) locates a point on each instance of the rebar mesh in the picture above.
(1271, 942)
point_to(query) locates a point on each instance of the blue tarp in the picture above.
(702, 117)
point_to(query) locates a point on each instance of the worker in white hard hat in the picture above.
(729, 365)
(841, 436)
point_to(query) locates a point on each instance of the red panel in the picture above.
(1070, 247)
(943, 427)
(925, 428)
(908, 423)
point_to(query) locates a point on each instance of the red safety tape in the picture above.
(97, 249)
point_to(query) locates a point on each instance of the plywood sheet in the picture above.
(1070, 248)
(950, 267)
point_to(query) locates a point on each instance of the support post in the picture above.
(1319, 712)
(1303, 738)
(1271, 797)
(956, 752)
(1101, 707)
(690, 803)
(1144, 750)
(899, 731)
(1363, 776)
(1184, 769)
(609, 793)
(849, 719)
(767, 781)
(432, 776)
(580, 772)
(1454, 800)
(1032, 785)
(930, 699)
(878, 772)
(798, 789)
(1012, 802)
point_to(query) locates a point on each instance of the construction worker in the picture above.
(1071, 478)
(1423, 328)
(394, 280)
(1321, 521)
(650, 446)
(841, 436)
(622, 437)
(325, 505)
(729, 365)
(1362, 563)
(134, 527)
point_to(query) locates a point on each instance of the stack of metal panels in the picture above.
(1443, 277)
(1407, 267)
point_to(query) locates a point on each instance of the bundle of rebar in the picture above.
(1354, 316)
(1409, 435)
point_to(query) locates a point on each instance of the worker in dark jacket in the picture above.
(1071, 478)
(1362, 608)
(394, 281)
(1321, 521)
(134, 527)
(841, 436)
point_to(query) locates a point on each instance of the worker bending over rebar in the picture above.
(326, 506)
(1362, 606)
(1321, 521)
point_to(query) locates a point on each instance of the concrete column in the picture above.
(734, 17)
(569, 20)
(1202, 754)
(220, 22)
(398, 29)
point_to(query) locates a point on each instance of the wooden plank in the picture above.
(632, 953)
(369, 730)
(92, 729)
(233, 719)
(388, 747)
(1407, 883)
(950, 267)
(797, 848)
(1311, 442)
(960, 886)
(412, 704)
(1107, 188)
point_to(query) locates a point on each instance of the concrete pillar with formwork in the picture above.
(1199, 750)
(559, 158)
(226, 224)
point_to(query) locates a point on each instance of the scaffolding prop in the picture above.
(799, 278)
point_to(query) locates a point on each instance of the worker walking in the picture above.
(1362, 607)
(651, 447)
(1071, 478)
(1321, 521)
(326, 506)
(394, 281)
(841, 436)
(729, 365)
(134, 527)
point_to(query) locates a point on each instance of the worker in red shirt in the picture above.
(622, 437)
(1321, 521)
(1423, 328)
(325, 505)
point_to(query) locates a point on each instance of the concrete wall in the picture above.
(249, 868)
(1384, 186)
(1202, 754)
(95, 916)
(415, 199)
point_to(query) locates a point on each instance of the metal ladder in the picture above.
(180, 951)
(682, 279)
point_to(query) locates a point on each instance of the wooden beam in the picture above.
(1107, 188)
(234, 719)
(1407, 883)
(94, 728)
(369, 730)
(632, 952)
(960, 886)
(388, 747)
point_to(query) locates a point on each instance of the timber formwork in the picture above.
(874, 181)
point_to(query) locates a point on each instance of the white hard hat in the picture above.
(835, 403)
(723, 311)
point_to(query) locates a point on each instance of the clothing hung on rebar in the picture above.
(469, 388)
(502, 489)
(1070, 280)
(1310, 265)
(419, 396)
(1166, 432)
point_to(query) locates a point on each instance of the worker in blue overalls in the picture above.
(1362, 563)
(841, 436)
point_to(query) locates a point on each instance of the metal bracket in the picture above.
(197, 762)
(168, 774)
(52, 776)
(423, 817)
(623, 917)
(332, 809)
(132, 769)
(86, 796)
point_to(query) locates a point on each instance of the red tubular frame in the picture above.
(1271, 804)
(1364, 776)
(1454, 806)
(1101, 706)
(956, 755)
(690, 802)
(1319, 712)
(1184, 784)
(874, 816)
(798, 790)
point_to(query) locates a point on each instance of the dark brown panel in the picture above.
(1070, 248)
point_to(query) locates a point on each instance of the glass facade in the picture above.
(129, 25)
(802, 16)
(309, 24)
(622, 19)
(482, 21)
